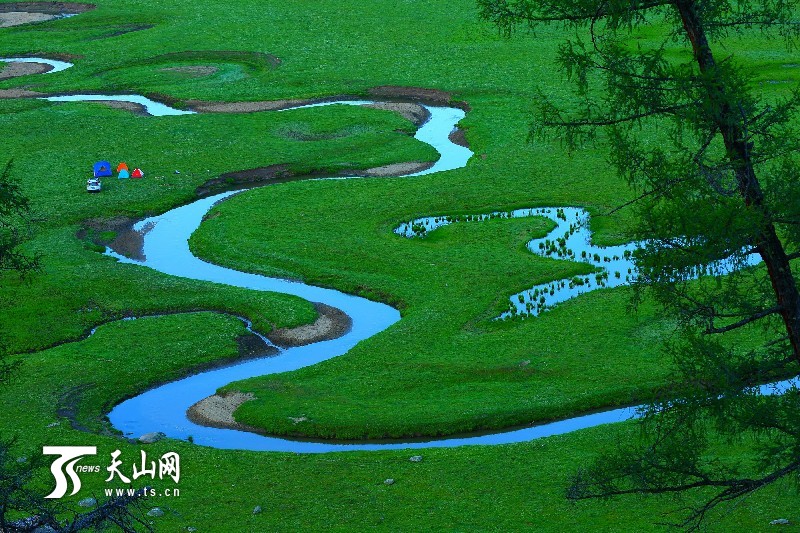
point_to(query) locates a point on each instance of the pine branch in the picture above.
(654, 192)
(117, 510)
(711, 207)
(736, 489)
(739, 486)
(507, 14)
(609, 121)
(748, 320)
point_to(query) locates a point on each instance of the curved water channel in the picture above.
(58, 66)
(166, 250)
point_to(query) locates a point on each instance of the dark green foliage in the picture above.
(716, 169)
(22, 507)
(14, 211)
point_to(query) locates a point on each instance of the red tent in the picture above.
(137, 173)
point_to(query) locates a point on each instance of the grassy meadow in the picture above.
(446, 368)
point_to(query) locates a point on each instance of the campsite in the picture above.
(324, 266)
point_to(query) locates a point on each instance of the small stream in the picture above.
(152, 107)
(58, 66)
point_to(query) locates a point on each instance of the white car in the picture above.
(94, 185)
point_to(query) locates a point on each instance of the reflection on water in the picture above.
(570, 240)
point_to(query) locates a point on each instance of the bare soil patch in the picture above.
(136, 109)
(243, 107)
(459, 137)
(17, 69)
(217, 411)
(19, 93)
(18, 18)
(127, 241)
(19, 13)
(281, 173)
(410, 110)
(242, 179)
(433, 97)
(331, 323)
(415, 113)
(50, 8)
(395, 169)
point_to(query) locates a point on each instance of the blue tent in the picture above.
(124, 174)
(102, 169)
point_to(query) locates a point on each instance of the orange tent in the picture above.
(122, 166)
(137, 173)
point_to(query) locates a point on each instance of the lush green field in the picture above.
(472, 488)
(78, 289)
(450, 287)
(446, 367)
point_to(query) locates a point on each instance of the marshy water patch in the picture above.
(570, 240)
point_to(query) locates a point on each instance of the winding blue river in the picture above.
(166, 250)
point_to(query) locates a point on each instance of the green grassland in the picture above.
(445, 368)
(69, 137)
(499, 488)
(450, 287)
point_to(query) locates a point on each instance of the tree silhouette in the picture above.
(715, 167)
(19, 495)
